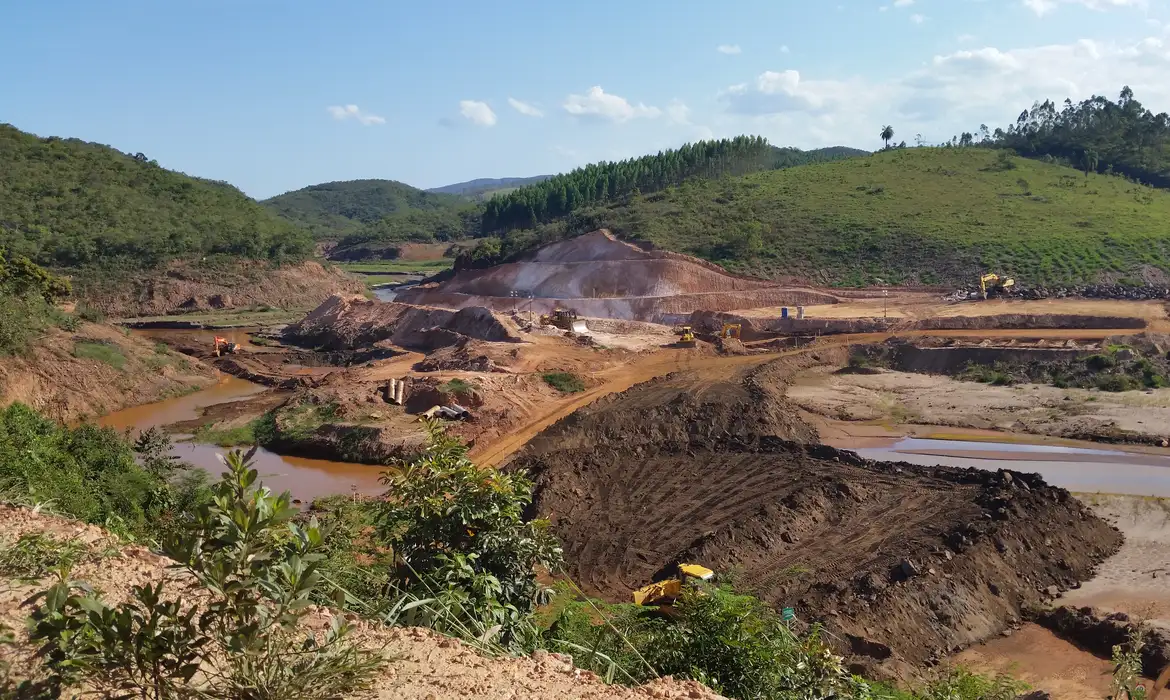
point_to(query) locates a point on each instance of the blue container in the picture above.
(783, 312)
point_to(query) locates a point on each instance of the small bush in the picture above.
(1117, 382)
(89, 350)
(565, 382)
(89, 313)
(457, 386)
(1100, 362)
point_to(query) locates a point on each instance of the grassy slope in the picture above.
(337, 209)
(926, 215)
(69, 203)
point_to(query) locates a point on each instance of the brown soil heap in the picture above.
(348, 323)
(902, 563)
(602, 277)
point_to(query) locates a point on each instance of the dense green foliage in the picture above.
(244, 642)
(930, 215)
(27, 293)
(1094, 135)
(603, 182)
(89, 473)
(393, 211)
(1115, 368)
(458, 534)
(69, 203)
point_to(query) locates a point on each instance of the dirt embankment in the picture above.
(419, 664)
(1099, 632)
(902, 563)
(94, 370)
(185, 288)
(348, 323)
(689, 405)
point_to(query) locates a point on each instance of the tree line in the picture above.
(606, 181)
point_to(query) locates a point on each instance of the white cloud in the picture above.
(917, 18)
(784, 49)
(729, 49)
(597, 103)
(341, 113)
(524, 108)
(477, 112)
(954, 92)
(1043, 7)
(965, 38)
(903, 3)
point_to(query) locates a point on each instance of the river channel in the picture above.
(304, 478)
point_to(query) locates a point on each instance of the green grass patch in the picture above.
(457, 386)
(35, 554)
(565, 382)
(236, 436)
(90, 350)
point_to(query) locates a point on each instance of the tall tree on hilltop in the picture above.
(887, 134)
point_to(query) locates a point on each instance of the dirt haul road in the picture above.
(901, 563)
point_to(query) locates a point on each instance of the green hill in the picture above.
(67, 203)
(486, 187)
(334, 210)
(928, 215)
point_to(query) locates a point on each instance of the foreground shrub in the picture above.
(456, 537)
(89, 473)
(245, 642)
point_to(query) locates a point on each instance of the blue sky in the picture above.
(273, 95)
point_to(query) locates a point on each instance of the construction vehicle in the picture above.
(991, 285)
(686, 337)
(731, 330)
(664, 593)
(223, 346)
(565, 319)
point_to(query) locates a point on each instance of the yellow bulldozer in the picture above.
(686, 337)
(992, 285)
(664, 593)
(565, 319)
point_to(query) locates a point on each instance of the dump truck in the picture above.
(565, 319)
(665, 592)
(992, 285)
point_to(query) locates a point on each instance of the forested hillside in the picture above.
(926, 215)
(69, 203)
(334, 210)
(603, 182)
(1094, 135)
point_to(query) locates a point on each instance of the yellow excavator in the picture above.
(565, 319)
(992, 285)
(731, 330)
(686, 337)
(664, 593)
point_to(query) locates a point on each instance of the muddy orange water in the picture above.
(305, 479)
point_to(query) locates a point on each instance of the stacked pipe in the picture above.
(395, 391)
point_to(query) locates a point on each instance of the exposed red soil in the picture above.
(903, 564)
(52, 380)
(185, 288)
